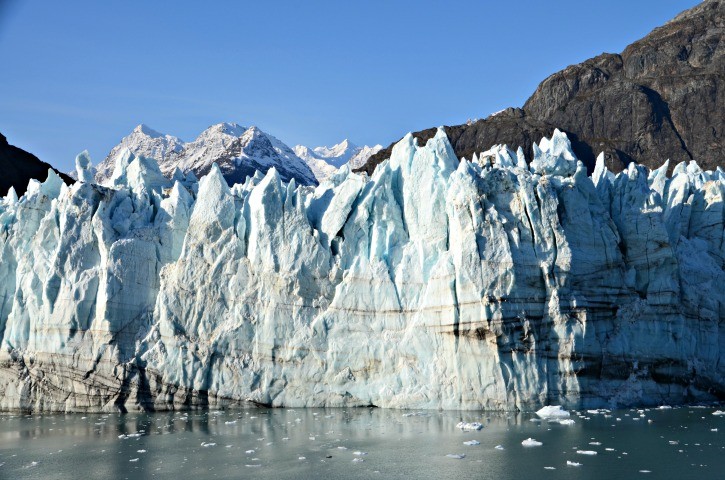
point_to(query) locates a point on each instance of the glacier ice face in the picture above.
(432, 284)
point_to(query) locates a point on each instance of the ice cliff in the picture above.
(489, 283)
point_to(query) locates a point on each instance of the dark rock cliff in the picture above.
(17, 167)
(663, 97)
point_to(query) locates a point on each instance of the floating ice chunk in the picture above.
(595, 443)
(140, 451)
(566, 421)
(718, 413)
(469, 426)
(457, 456)
(664, 407)
(472, 442)
(586, 452)
(573, 464)
(530, 442)
(134, 460)
(645, 471)
(208, 444)
(359, 453)
(357, 460)
(249, 451)
(549, 468)
(253, 465)
(301, 458)
(499, 447)
(553, 411)
(342, 448)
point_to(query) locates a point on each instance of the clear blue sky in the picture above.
(81, 74)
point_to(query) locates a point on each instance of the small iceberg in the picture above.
(472, 442)
(530, 442)
(553, 411)
(573, 464)
(457, 456)
(586, 452)
(718, 413)
(465, 426)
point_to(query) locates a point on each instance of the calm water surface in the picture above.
(679, 443)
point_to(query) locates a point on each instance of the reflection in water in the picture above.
(359, 443)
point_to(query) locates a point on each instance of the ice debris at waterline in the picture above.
(530, 442)
(432, 284)
(552, 411)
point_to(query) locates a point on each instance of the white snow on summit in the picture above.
(143, 141)
(324, 161)
(238, 151)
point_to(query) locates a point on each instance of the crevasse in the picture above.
(433, 284)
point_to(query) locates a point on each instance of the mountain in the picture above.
(662, 97)
(238, 151)
(324, 161)
(18, 167)
(496, 283)
(143, 141)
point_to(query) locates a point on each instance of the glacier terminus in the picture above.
(489, 283)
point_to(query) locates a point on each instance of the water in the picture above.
(678, 443)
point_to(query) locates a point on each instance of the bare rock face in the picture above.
(663, 97)
(18, 167)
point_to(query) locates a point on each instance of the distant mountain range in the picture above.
(662, 98)
(239, 152)
(324, 161)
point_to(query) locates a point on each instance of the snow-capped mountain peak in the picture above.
(142, 141)
(239, 151)
(144, 129)
(341, 150)
(324, 161)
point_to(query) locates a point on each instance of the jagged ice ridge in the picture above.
(432, 284)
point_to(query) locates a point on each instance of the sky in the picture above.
(81, 74)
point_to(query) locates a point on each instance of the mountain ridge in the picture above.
(661, 98)
(238, 151)
(18, 167)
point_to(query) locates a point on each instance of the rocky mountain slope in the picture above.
(238, 151)
(18, 167)
(516, 286)
(324, 161)
(663, 97)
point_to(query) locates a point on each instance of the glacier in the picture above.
(490, 283)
